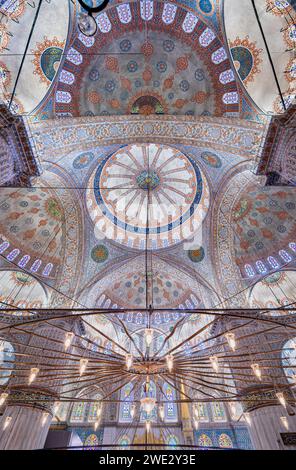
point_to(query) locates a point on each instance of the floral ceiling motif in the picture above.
(125, 182)
(162, 60)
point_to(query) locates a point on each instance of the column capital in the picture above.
(41, 399)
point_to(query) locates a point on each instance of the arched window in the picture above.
(218, 411)
(7, 358)
(204, 441)
(83, 412)
(92, 442)
(151, 393)
(79, 412)
(127, 395)
(202, 410)
(170, 409)
(225, 441)
(289, 359)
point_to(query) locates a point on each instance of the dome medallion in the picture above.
(147, 192)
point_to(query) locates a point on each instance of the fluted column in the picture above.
(265, 415)
(28, 420)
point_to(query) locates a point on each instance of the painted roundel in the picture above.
(211, 159)
(147, 193)
(83, 160)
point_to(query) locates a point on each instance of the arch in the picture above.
(225, 441)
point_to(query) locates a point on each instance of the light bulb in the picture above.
(148, 426)
(96, 424)
(285, 422)
(196, 424)
(248, 418)
(170, 362)
(3, 397)
(68, 339)
(83, 366)
(231, 340)
(214, 362)
(133, 410)
(161, 412)
(148, 336)
(33, 374)
(256, 370)
(281, 398)
(56, 406)
(7, 422)
(44, 418)
(129, 361)
(87, 24)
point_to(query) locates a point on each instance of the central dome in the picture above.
(147, 193)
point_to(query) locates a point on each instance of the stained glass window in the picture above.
(218, 411)
(92, 441)
(93, 411)
(225, 441)
(47, 270)
(203, 414)
(170, 409)
(127, 395)
(78, 414)
(205, 441)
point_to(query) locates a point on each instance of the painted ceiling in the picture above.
(147, 57)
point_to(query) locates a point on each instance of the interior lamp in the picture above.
(83, 366)
(3, 398)
(33, 374)
(170, 362)
(256, 370)
(68, 339)
(281, 398)
(214, 362)
(148, 336)
(7, 422)
(129, 361)
(161, 412)
(231, 340)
